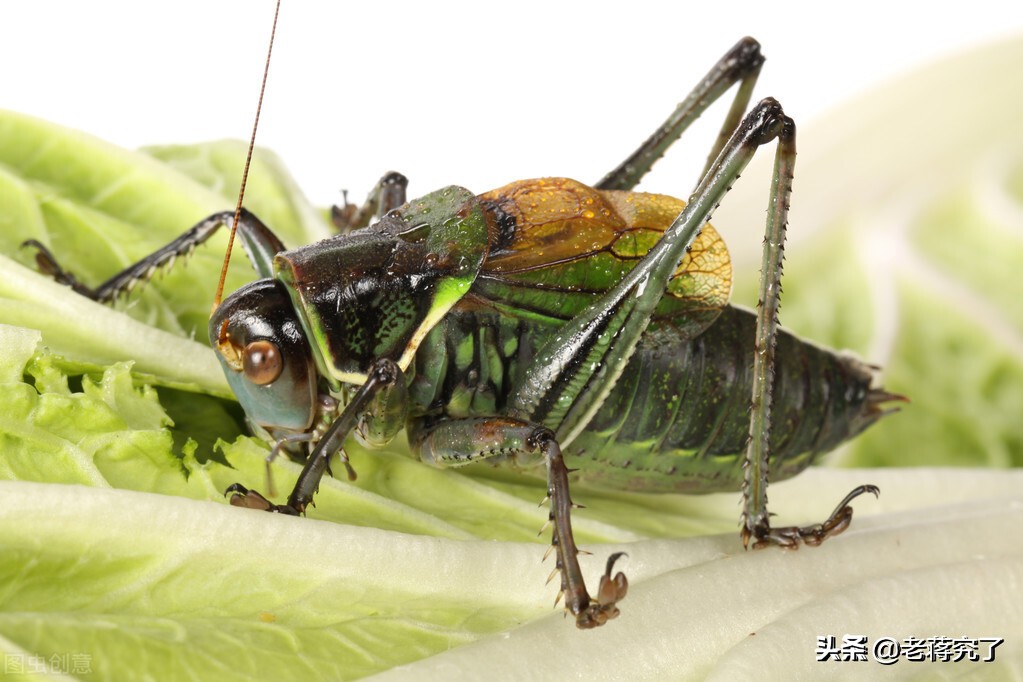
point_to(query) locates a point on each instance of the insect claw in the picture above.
(812, 535)
(236, 488)
(251, 500)
(611, 560)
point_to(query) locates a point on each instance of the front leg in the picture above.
(260, 243)
(456, 442)
(383, 376)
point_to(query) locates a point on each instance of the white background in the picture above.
(477, 95)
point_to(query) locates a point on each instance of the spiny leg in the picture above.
(740, 64)
(260, 243)
(455, 442)
(589, 612)
(381, 419)
(569, 378)
(383, 375)
(755, 517)
(47, 265)
(387, 195)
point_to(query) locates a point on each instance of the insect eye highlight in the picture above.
(262, 362)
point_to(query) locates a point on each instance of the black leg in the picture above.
(260, 243)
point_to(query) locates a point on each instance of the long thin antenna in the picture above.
(248, 161)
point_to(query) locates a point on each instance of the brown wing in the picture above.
(557, 244)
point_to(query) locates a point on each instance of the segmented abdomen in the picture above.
(678, 417)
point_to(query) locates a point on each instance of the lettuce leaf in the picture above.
(118, 435)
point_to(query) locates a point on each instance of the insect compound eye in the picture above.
(266, 357)
(262, 362)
